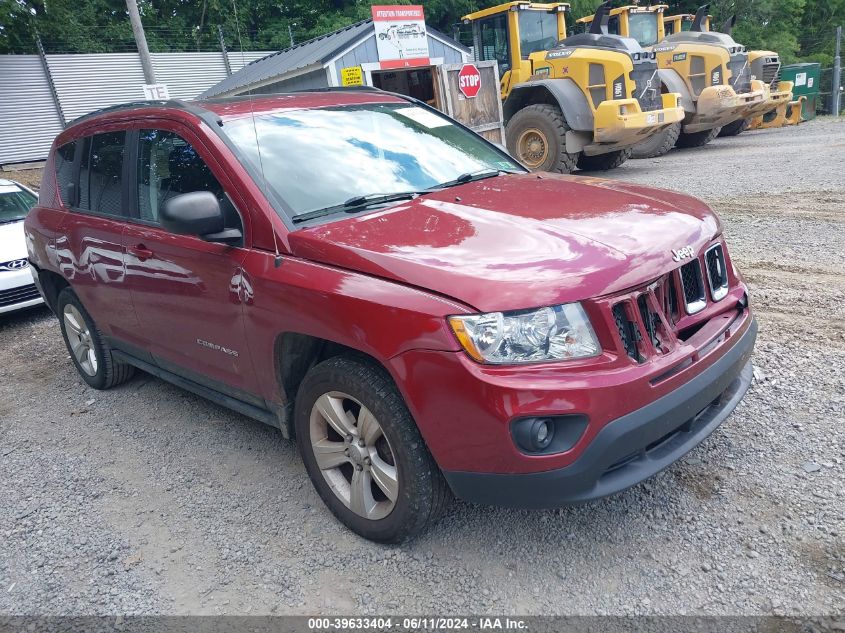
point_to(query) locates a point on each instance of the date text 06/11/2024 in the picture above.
(416, 624)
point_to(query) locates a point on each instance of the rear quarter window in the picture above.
(64, 170)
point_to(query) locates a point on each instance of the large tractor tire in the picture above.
(697, 139)
(735, 128)
(603, 162)
(658, 144)
(536, 136)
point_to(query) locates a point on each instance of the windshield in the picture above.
(537, 31)
(643, 28)
(320, 158)
(14, 204)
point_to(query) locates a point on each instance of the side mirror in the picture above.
(197, 213)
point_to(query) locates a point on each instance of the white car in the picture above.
(17, 287)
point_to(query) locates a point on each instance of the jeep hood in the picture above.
(518, 241)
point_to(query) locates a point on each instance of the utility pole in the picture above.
(837, 75)
(141, 41)
(224, 51)
(290, 35)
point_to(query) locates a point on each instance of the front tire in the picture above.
(89, 350)
(536, 136)
(603, 162)
(658, 144)
(364, 453)
(735, 128)
(697, 139)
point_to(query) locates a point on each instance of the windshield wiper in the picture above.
(358, 203)
(472, 176)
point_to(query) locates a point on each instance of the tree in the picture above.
(797, 29)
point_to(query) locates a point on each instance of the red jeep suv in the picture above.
(422, 314)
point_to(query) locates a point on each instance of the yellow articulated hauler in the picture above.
(709, 70)
(577, 102)
(763, 65)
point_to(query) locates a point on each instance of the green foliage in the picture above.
(797, 29)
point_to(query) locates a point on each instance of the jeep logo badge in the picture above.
(682, 253)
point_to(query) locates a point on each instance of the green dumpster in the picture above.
(806, 79)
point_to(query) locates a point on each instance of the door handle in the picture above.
(141, 252)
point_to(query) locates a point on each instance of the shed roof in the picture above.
(316, 51)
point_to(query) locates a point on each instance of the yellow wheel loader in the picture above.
(780, 109)
(709, 71)
(578, 102)
(763, 65)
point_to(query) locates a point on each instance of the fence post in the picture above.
(836, 88)
(224, 51)
(49, 77)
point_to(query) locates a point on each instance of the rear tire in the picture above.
(697, 139)
(735, 128)
(377, 476)
(88, 348)
(603, 162)
(658, 144)
(536, 136)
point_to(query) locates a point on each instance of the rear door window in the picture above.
(101, 173)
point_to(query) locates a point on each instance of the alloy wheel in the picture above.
(79, 338)
(354, 455)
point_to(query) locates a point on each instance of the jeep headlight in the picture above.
(528, 336)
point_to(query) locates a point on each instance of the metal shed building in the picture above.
(319, 63)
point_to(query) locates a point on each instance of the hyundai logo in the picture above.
(16, 264)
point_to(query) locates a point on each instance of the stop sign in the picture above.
(469, 80)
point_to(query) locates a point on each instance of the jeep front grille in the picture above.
(650, 319)
(653, 319)
(693, 287)
(627, 329)
(717, 272)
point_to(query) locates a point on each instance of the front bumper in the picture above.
(771, 99)
(719, 105)
(630, 449)
(621, 123)
(18, 290)
(782, 95)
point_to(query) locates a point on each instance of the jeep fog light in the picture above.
(528, 336)
(548, 435)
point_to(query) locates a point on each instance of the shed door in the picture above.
(482, 113)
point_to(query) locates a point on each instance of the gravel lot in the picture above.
(147, 499)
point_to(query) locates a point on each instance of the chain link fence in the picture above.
(824, 105)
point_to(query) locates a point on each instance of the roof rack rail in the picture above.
(342, 89)
(171, 103)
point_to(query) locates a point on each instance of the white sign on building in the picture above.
(400, 36)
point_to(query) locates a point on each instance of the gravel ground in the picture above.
(147, 499)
